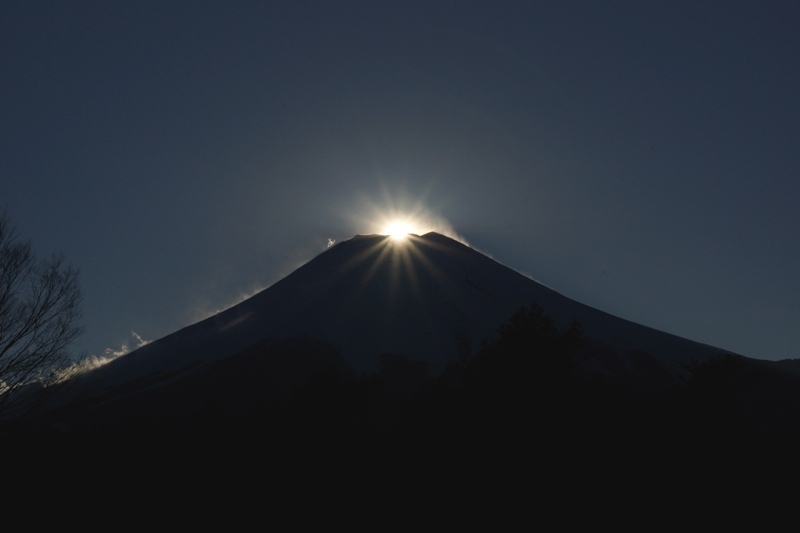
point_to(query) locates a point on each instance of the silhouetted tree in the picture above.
(39, 312)
(518, 383)
(530, 355)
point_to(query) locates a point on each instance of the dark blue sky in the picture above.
(640, 157)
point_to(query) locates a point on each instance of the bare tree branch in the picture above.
(39, 313)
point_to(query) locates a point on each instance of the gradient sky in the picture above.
(640, 157)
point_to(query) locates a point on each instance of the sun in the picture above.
(398, 229)
(396, 215)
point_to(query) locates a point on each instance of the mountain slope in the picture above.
(428, 300)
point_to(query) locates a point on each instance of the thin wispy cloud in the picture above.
(92, 362)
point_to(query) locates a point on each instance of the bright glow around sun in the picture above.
(398, 229)
(396, 214)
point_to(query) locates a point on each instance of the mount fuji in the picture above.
(403, 310)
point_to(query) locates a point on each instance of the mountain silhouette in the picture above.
(429, 298)
(424, 335)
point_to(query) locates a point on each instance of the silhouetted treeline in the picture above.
(534, 388)
(532, 392)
